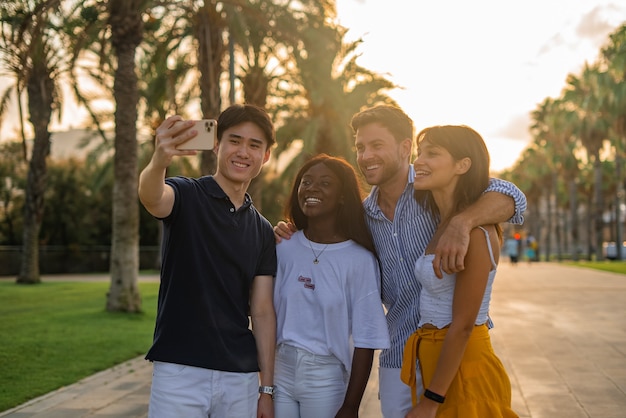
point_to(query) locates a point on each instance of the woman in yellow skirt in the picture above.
(462, 376)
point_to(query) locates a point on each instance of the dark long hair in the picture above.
(461, 142)
(350, 216)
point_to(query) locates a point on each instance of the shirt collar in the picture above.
(217, 192)
(371, 201)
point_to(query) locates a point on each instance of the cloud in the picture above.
(595, 25)
(556, 41)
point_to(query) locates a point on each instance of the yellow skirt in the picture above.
(481, 387)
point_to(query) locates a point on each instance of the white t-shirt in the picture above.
(330, 307)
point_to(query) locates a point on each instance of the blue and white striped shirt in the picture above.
(399, 243)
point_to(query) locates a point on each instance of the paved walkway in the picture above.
(560, 332)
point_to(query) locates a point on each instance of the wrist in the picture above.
(461, 222)
(428, 394)
(267, 390)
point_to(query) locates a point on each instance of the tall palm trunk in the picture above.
(549, 227)
(126, 32)
(208, 31)
(558, 219)
(40, 98)
(598, 207)
(255, 91)
(573, 208)
(589, 225)
(619, 236)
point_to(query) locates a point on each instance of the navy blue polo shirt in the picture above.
(211, 252)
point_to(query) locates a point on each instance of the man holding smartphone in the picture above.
(218, 264)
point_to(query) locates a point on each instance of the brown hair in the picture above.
(393, 118)
(461, 142)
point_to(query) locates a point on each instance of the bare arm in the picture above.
(491, 208)
(264, 329)
(361, 369)
(154, 194)
(468, 293)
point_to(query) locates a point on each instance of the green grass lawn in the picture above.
(56, 333)
(612, 266)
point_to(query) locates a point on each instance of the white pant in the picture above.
(307, 385)
(194, 392)
(395, 395)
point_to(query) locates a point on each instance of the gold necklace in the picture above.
(317, 256)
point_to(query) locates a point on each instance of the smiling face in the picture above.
(319, 192)
(241, 152)
(435, 168)
(380, 157)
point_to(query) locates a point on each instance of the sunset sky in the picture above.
(483, 63)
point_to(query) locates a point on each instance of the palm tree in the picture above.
(31, 46)
(125, 21)
(553, 125)
(208, 27)
(585, 96)
(530, 173)
(614, 55)
(258, 42)
(318, 94)
(334, 86)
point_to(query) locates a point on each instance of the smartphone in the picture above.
(207, 135)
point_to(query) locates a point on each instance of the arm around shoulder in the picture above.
(491, 208)
(509, 189)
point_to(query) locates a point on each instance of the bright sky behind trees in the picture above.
(483, 63)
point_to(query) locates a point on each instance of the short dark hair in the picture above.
(391, 117)
(240, 113)
(351, 215)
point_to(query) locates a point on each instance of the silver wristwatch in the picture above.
(269, 390)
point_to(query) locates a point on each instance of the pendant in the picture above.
(315, 261)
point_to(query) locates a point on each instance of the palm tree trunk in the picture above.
(618, 207)
(590, 224)
(40, 98)
(255, 91)
(126, 31)
(558, 234)
(208, 31)
(573, 207)
(598, 208)
(549, 228)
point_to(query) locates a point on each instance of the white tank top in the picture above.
(437, 294)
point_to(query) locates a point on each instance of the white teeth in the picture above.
(372, 167)
(312, 200)
(240, 165)
(421, 173)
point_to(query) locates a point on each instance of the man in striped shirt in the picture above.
(401, 228)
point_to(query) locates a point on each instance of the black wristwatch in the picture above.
(268, 390)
